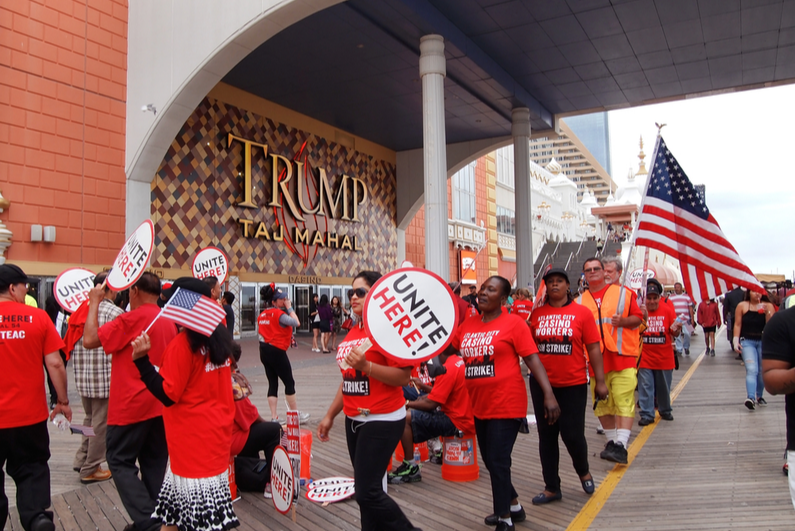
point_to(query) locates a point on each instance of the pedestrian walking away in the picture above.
(750, 319)
(30, 343)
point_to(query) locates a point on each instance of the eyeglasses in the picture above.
(592, 269)
(359, 292)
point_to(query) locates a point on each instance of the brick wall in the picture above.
(63, 82)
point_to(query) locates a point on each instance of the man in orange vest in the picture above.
(618, 317)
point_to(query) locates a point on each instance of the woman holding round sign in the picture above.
(563, 330)
(371, 396)
(491, 345)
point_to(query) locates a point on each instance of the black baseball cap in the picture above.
(12, 274)
(190, 284)
(653, 286)
(557, 271)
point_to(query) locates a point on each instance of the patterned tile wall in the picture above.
(196, 190)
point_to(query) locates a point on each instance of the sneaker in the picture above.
(303, 416)
(761, 401)
(315, 350)
(99, 475)
(608, 451)
(712, 352)
(750, 404)
(600, 430)
(267, 494)
(667, 416)
(275, 419)
(645, 422)
(436, 458)
(616, 454)
(687, 352)
(678, 353)
(516, 516)
(405, 473)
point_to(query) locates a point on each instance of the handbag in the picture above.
(347, 324)
(240, 387)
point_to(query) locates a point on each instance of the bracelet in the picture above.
(371, 369)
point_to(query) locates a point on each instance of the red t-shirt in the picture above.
(26, 336)
(561, 335)
(522, 308)
(658, 347)
(613, 362)
(245, 415)
(450, 391)
(199, 424)
(491, 352)
(271, 331)
(130, 401)
(358, 389)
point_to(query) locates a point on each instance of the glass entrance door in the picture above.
(248, 307)
(302, 296)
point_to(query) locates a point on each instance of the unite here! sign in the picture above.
(133, 258)
(282, 480)
(210, 262)
(72, 286)
(410, 315)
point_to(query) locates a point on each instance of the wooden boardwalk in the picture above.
(717, 466)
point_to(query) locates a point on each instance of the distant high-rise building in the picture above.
(593, 130)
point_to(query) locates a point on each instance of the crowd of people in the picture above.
(599, 340)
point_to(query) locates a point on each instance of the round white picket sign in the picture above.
(282, 480)
(72, 286)
(636, 278)
(330, 490)
(132, 260)
(210, 261)
(410, 315)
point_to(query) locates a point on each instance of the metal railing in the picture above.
(571, 255)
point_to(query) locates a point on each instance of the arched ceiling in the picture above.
(355, 65)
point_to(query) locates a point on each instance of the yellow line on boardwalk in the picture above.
(590, 510)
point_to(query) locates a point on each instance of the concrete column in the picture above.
(433, 71)
(401, 246)
(520, 129)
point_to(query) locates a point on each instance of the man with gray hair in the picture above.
(613, 269)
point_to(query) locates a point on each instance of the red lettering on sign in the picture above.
(402, 324)
(394, 310)
(383, 295)
(412, 337)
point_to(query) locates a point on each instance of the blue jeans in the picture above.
(683, 341)
(650, 380)
(752, 358)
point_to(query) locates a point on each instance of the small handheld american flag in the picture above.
(194, 311)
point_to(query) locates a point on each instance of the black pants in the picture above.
(144, 442)
(496, 438)
(277, 366)
(53, 392)
(370, 445)
(262, 436)
(24, 452)
(570, 426)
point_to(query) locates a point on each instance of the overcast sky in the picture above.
(741, 147)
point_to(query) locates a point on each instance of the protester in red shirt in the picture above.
(464, 308)
(195, 384)
(522, 304)
(562, 330)
(449, 394)
(371, 397)
(491, 345)
(28, 343)
(135, 424)
(658, 359)
(275, 326)
(708, 316)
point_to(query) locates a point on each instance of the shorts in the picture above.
(425, 425)
(621, 394)
(709, 329)
(314, 325)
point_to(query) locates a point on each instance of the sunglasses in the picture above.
(359, 292)
(592, 269)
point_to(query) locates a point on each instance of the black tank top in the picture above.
(752, 325)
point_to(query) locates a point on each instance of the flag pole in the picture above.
(159, 314)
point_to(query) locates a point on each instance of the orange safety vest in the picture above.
(624, 341)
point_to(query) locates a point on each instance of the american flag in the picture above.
(194, 311)
(675, 219)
